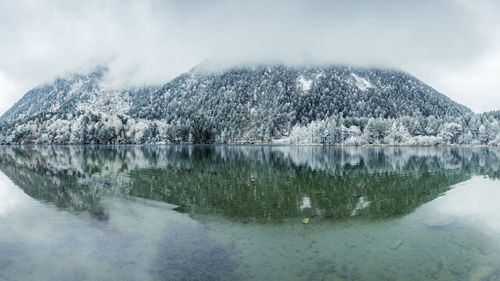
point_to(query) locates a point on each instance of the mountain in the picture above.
(275, 98)
(261, 103)
(302, 93)
(74, 92)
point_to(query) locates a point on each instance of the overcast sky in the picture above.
(453, 45)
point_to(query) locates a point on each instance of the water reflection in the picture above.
(246, 182)
(11, 196)
(42, 242)
(474, 202)
(229, 212)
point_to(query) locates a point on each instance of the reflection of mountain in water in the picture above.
(247, 182)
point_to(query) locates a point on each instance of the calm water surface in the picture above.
(249, 213)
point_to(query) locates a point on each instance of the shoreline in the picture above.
(259, 144)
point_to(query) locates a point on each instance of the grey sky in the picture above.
(453, 45)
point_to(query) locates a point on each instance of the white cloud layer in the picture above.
(450, 44)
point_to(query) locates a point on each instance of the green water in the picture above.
(239, 213)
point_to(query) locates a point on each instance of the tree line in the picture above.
(84, 127)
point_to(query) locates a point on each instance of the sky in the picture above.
(452, 45)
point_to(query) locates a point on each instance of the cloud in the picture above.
(9, 92)
(153, 41)
(475, 84)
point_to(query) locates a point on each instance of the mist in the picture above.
(450, 44)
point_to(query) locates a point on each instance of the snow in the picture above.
(304, 83)
(361, 83)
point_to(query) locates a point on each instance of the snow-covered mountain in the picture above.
(76, 92)
(238, 104)
(270, 100)
(302, 94)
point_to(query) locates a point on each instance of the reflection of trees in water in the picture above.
(60, 188)
(187, 252)
(279, 194)
(102, 160)
(247, 182)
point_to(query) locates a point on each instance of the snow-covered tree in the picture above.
(398, 134)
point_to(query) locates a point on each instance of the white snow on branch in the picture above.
(361, 83)
(304, 83)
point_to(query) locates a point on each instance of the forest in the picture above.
(270, 104)
(101, 128)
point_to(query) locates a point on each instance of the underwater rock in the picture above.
(481, 273)
(396, 244)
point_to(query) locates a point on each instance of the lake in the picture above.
(224, 212)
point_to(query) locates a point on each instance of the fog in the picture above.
(453, 45)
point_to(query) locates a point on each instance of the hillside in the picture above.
(270, 100)
(304, 94)
(266, 103)
(76, 92)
